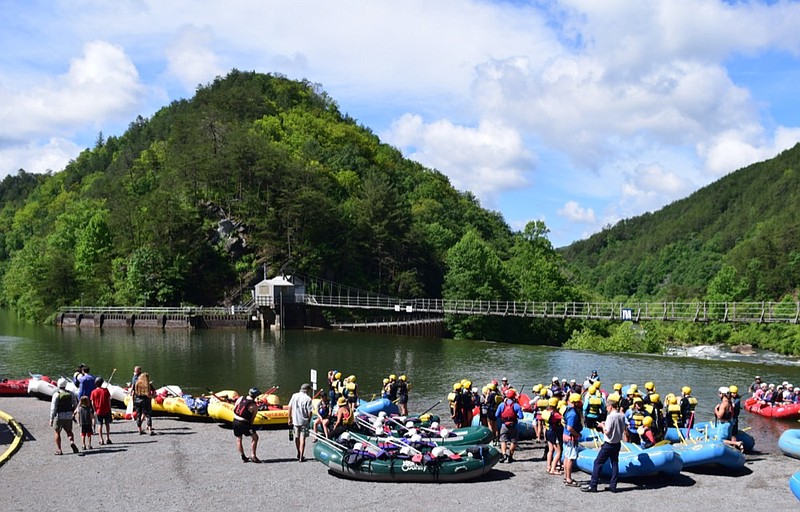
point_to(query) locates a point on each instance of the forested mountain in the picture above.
(745, 225)
(187, 206)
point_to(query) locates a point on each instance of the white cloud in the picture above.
(53, 155)
(191, 59)
(102, 84)
(574, 212)
(485, 160)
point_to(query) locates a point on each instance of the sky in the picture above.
(578, 113)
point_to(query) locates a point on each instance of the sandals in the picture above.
(255, 459)
(59, 452)
(571, 483)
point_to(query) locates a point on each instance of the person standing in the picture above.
(244, 415)
(101, 401)
(402, 395)
(86, 384)
(300, 407)
(613, 432)
(508, 415)
(143, 393)
(86, 418)
(573, 426)
(137, 370)
(62, 406)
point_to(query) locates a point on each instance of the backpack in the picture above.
(509, 415)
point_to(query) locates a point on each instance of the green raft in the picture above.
(465, 463)
(457, 436)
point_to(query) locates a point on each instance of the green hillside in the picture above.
(749, 220)
(188, 206)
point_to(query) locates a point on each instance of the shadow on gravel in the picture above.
(721, 471)
(101, 451)
(660, 482)
(284, 459)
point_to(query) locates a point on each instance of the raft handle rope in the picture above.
(19, 434)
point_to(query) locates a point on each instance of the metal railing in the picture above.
(751, 312)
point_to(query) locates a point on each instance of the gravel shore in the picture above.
(194, 466)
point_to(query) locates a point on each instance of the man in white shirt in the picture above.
(613, 432)
(300, 418)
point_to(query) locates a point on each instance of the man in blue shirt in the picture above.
(573, 425)
(508, 415)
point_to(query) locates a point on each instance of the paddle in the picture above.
(431, 407)
(111, 376)
(220, 398)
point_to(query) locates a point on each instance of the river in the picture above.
(239, 359)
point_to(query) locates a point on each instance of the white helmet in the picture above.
(62, 383)
(444, 432)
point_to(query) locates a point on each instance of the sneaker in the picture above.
(611, 489)
(510, 459)
(74, 447)
(245, 459)
(589, 488)
(502, 458)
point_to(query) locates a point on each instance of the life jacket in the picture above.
(402, 388)
(241, 411)
(542, 404)
(636, 420)
(323, 410)
(491, 400)
(64, 402)
(595, 404)
(348, 418)
(509, 415)
(674, 413)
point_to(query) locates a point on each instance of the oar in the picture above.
(328, 441)
(220, 398)
(111, 376)
(431, 407)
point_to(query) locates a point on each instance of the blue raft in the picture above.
(379, 405)
(708, 431)
(635, 461)
(794, 484)
(789, 443)
(709, 453)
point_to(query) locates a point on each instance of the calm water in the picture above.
(239, 359)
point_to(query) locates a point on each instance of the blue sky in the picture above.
(579, 113)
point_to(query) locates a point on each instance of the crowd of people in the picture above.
(90, 407)
(771, 394)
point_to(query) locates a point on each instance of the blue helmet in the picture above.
(254, 392)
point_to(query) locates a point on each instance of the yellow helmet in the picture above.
(574, 397)
(492, 386)
(536, 388)
(633, 388)
(734, 388)
(686, 390)
(403, 378)
(672, 400)
(614, 397)
(457, 386)
(655, 398)
(553, 401)
(617, 387)
(647, 421)
(351, 378)
(649, 386)
(337, 375)
(392, 377)
(385, 381)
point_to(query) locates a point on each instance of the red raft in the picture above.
(9, 387)
(754, 406)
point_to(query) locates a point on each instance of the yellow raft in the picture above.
(223, 412)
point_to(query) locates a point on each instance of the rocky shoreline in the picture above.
(194, 465)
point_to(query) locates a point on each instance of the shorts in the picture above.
(104, 419)
(509, 434)
(570, 451)
(66, 425)
(242, 428)
(300, 430)
(87, 430)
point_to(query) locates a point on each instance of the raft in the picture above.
(709, 453)
(708, 431)
(187, 407)
(376, 406)
(392, 466)
(42, 387)
(10, 387)
(789, 443)
(634, 461)
(456, 437)
(794, 484)
(223, 412)
(789, 411)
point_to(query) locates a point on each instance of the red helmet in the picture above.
(510, 393)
